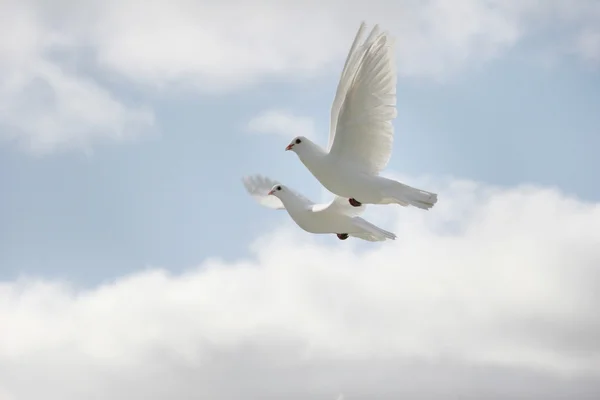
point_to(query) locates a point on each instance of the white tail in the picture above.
(372, 232)
(405, 195)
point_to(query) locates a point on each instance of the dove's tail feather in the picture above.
(408, 196)
(371, 232)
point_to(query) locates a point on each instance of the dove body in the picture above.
(337, 217)
(344, 179)
(320, 221)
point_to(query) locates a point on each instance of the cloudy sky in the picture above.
(133, 264)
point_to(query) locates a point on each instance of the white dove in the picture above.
(361, 132)
(335, 217)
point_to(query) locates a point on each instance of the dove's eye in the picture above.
(278, 188)
(298, 141)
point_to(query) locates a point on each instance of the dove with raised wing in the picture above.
(361, 132)
(335, 217)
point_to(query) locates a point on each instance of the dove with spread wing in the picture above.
(361, 132)
(336, 217)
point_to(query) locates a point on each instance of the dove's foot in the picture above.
(354, 203)
(342, 236)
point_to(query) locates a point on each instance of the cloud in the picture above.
(588, 45)
(56, 61)
(229, 44)
(492, 295)
(224, 45)
(45, 104)
(45, 109)
(282, 123)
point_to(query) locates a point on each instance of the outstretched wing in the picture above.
(361, 130)
(340, 205)
(259, 186)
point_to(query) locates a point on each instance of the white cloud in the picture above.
(226, 44)
(45, 109)
(45, 105)
(492, 295)
(588, 45)
(282, 123)
(232, 43)
(217, 46)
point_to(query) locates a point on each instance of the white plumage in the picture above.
(361, 131)
(335, 217)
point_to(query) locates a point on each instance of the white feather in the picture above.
(365, 105)
(259, 187)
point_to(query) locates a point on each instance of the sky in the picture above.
(134, 265)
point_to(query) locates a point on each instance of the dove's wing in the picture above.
(259, 186)
(342, 89)
(340, 205)
(361, 130)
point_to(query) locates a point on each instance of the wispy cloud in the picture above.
(47, 105)
(46, 109)
(219, 45)
(505, 305)
(49, 100)
(229, 44)
(588, 45)
(282, 123)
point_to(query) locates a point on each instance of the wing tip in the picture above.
(254, 182)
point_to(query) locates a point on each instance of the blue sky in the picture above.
(175, 198)
(128, 243)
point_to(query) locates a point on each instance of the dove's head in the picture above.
(278, 190)
(301, 145)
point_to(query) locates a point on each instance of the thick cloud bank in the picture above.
(491, 295)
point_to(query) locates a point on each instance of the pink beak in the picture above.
(271, 192)
(289, 146)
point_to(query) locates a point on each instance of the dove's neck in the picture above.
(296, 209)
(292, 203)
(314, 159)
